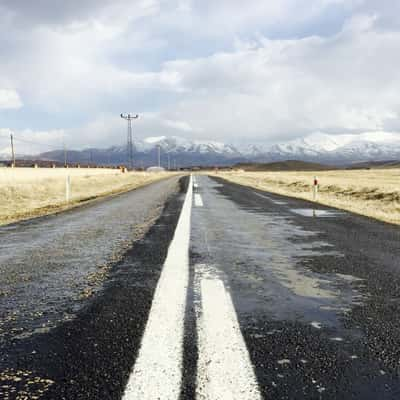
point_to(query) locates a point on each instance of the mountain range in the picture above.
(317, 147)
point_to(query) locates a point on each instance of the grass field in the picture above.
(30, 192)
(374, 193)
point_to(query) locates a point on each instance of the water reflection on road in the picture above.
(258, 254)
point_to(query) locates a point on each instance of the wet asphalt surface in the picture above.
(317, 298)
(316, 293)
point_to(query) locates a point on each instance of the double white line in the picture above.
(224, 370)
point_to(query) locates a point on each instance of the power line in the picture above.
(14, 149)
(129, 117)
(16, 139)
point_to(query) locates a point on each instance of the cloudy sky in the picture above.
(228, 70)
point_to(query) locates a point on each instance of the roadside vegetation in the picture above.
(374, 193)
(32, 192)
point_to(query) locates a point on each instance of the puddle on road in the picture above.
(258, 254)
(306, 286)
(310, 212)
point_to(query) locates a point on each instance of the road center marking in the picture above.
(157, 373)
(224, 370)
(198, 201)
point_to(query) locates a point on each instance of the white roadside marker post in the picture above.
(315, 192)
(67, 188)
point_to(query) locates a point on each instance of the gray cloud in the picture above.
(61, 12)
(227, 69)
(386, 13)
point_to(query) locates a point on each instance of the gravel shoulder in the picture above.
(89, 354)
(26, 193)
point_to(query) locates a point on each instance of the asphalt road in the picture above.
(206, 290)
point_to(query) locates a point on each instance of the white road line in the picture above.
(198, 201)
(224, 367)
(157, 373)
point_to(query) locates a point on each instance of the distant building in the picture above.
(155, 169)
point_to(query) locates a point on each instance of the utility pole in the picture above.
(12, 151)
(65, 156)
(67, 188)
(159, 155)
(169, 162)
(129, 117)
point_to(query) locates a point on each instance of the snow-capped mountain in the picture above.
(175, 144)
(317, 147)
(179, 151)
(322, 147)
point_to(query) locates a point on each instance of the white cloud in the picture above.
(27, 141)
(9, 98)
(236, 17)
(179, 125)
(88, 61)
(108, 129)
(349, 82)
(70, 70)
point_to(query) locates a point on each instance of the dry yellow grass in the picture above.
(30, 192)
(374, 193)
